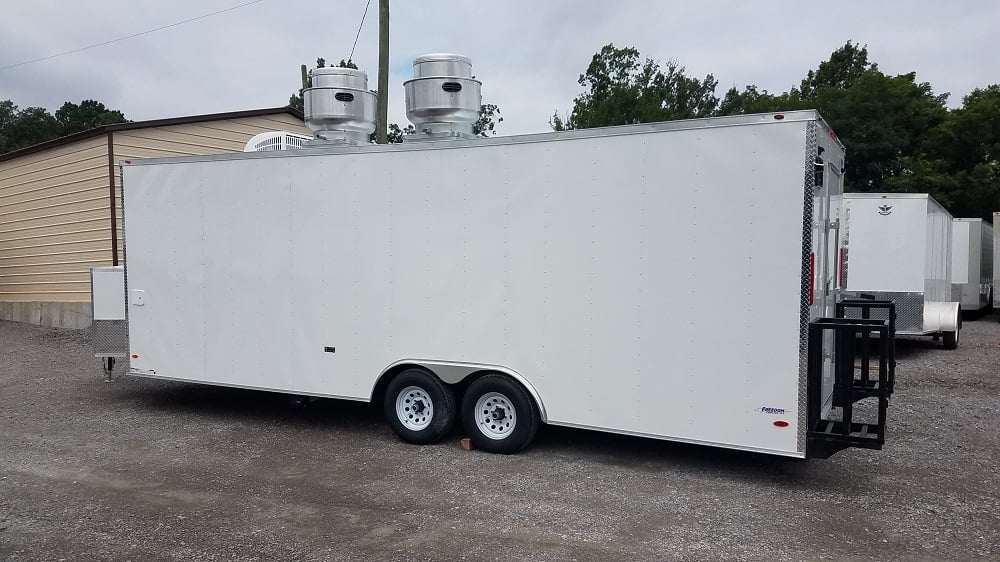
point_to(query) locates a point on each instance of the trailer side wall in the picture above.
(986, 262)
(996, 259)
(644, 283)
(937, 262)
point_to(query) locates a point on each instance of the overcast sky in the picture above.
(529, 54)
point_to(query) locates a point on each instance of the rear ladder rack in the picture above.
(854, 340)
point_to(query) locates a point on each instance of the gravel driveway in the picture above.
(144, 470)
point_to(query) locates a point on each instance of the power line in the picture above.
(9, 66)
(359, 30)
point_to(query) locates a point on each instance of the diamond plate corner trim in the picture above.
(124, 262)
(808, 189)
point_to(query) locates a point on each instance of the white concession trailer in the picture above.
(670, 280)
(972, 263)
(897, 246)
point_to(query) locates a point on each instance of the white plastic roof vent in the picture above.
(275, 140)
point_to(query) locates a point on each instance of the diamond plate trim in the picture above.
(909, 310)
(121, 181)
(110, 338)
(808, 192)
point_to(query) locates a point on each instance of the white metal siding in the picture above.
(209, 137)
(961, 238)
(972, 262)
(996, 259)
(986, 256)
(937, 262)
(608, 271)
(886, 248)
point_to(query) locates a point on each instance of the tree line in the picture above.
(899, 134)
(21, 128)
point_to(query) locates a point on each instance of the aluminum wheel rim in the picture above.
(495, 415)
(414, 408)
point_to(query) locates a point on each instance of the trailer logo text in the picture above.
(885, 210)
(770, 410)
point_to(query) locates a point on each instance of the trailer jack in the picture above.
(108, 365)
(854, 341)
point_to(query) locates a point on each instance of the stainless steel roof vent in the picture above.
(338, 107)
(442, 98)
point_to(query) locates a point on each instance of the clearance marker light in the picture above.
(781, 423)
(134, 356)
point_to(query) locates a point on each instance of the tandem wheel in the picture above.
(419, 407)
(499, 415)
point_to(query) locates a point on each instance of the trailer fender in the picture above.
(452, 372)
(941, 316)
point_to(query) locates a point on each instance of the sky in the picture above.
(528, 54)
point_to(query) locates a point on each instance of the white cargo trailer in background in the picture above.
(996, 259)
(972, 263)
(897, 246)
(668, 280)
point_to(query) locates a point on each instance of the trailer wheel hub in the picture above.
(414, 408)
(495, 415)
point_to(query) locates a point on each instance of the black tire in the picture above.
(443, 409)
(950, 339)
(501, 394)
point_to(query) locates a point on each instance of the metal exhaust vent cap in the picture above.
(338, 107)
(442, 98)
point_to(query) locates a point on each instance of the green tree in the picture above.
(8, 114)
(489, 118)
(881, 120)
(623, 89)
(395, 135)
(31, 126)
(21, 128)
(751, 100)
(846, 66)
(959, 160)
(73, 118)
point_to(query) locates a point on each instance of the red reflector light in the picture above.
(779, 117)
(781, 423)
(833, 135)
(134, 356)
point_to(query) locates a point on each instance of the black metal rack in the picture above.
(854, 340)
(884, 310)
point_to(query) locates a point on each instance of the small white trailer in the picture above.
(972, 263)
(897, 246)
(669, 280)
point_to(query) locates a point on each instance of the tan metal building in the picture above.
(60, 204)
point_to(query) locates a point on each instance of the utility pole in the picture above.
(382, 104)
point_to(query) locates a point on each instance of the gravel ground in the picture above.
(142, 469)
